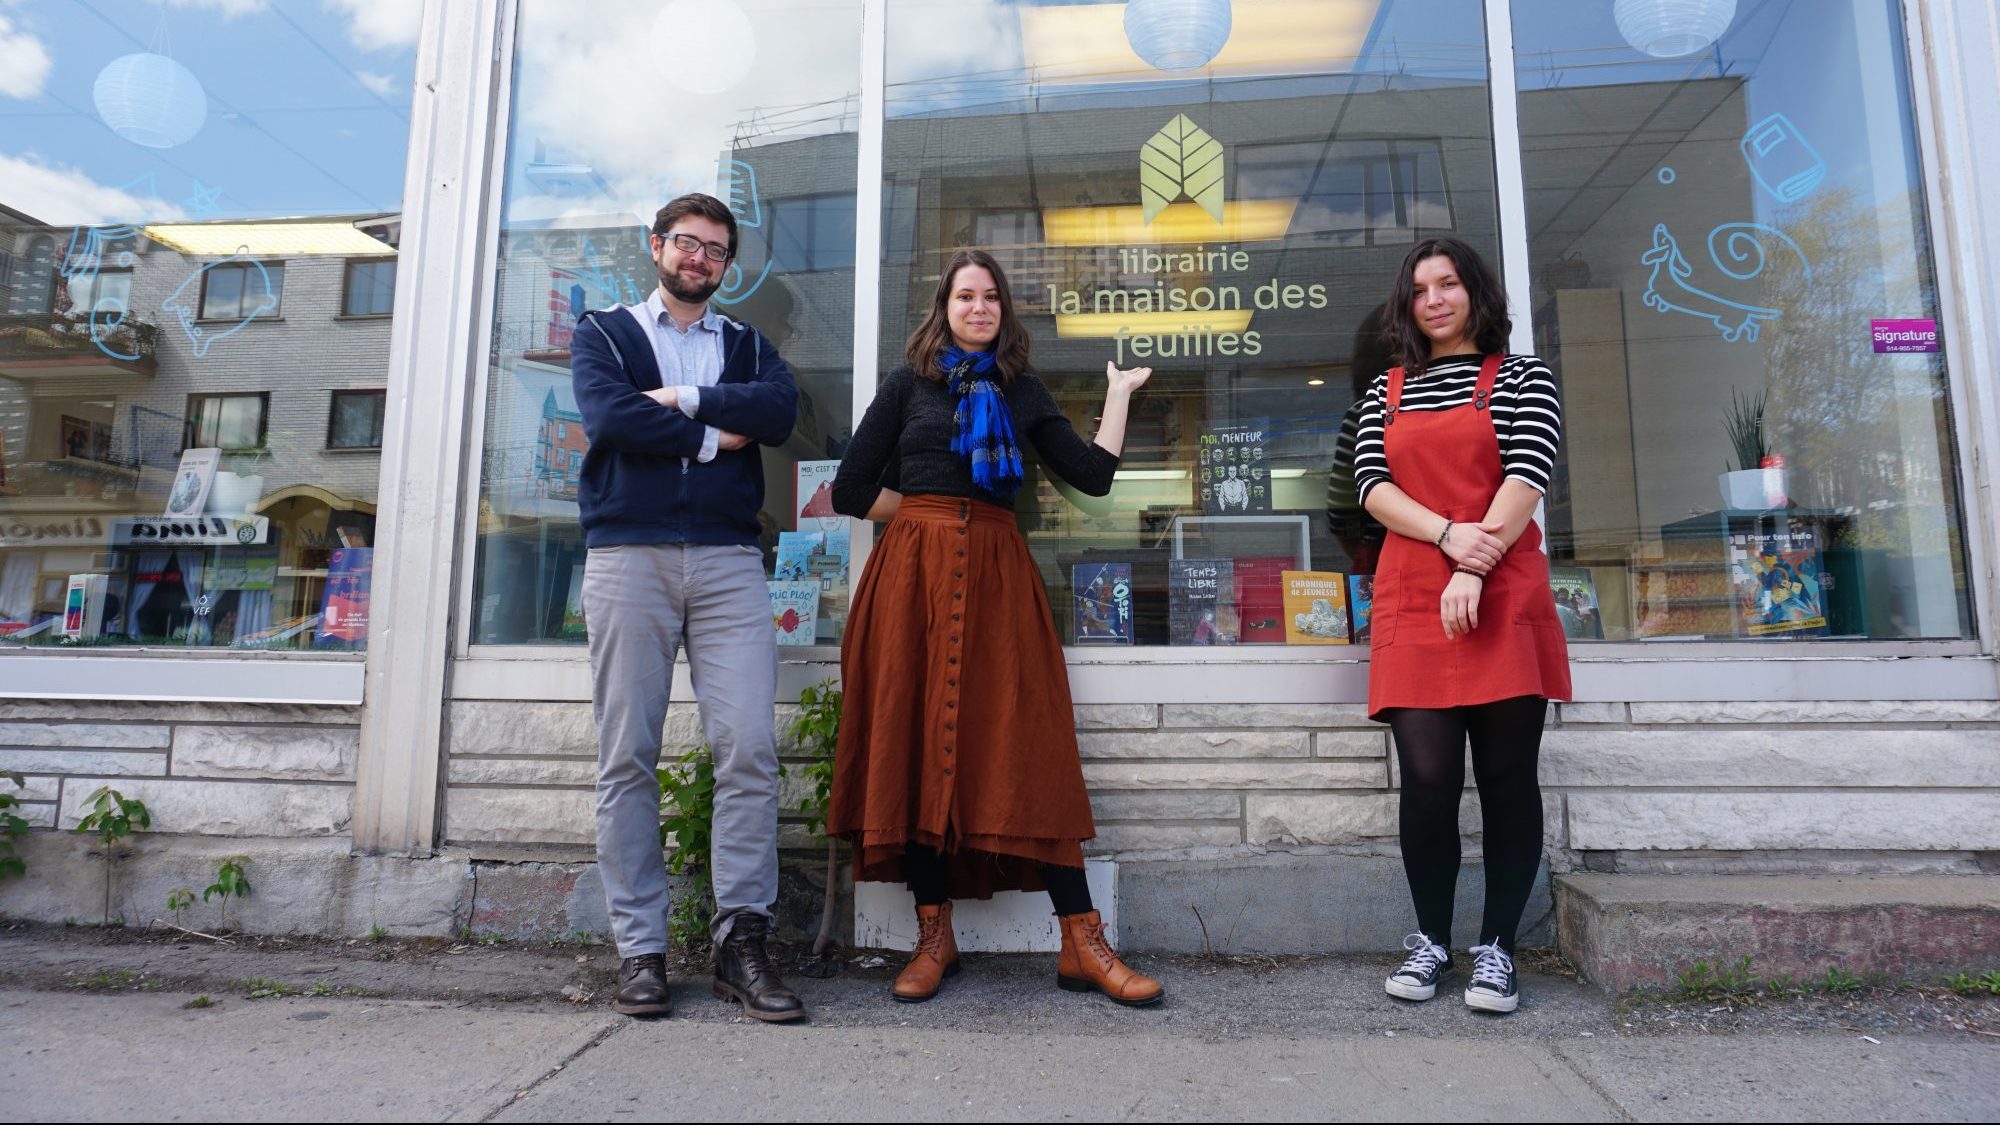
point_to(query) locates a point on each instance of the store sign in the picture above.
(191, 531)
(1892, 336)
(24, 532)
(1181, 169)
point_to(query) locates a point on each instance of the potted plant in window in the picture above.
(238, 488)
(1758, 481)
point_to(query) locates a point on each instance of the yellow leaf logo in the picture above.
(1181, 160)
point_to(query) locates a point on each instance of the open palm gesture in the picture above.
(1126, 381)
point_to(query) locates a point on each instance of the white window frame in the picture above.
(1603, 671)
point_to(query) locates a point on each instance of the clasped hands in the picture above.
(1475, 548)
(670, 398)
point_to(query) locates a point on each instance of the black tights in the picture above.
(1430, 748)
(929, 876)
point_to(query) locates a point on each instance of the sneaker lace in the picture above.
(1426, 956)
(1491, 965)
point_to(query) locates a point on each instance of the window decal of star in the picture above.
(201, 203)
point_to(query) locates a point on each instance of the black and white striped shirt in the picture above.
(1526, 415)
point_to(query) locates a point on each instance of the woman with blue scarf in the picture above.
(957, 771)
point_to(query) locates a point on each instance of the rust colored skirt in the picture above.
(956, 730)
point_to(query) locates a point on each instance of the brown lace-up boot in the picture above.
(1089, 963)
(935, 958)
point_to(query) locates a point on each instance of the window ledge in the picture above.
(364, 316)
(189, 675)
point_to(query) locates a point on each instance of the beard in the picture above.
(683, 289)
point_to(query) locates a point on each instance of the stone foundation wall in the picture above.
(208, 769)
(1702, 786)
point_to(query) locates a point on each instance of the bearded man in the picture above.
(675, 399)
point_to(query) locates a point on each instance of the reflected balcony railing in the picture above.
(51, 344)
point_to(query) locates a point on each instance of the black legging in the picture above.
(929, 876)
(1430, 747)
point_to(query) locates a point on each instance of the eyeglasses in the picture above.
(689, 244)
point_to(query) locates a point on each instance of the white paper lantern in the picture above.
(704, 46)
(1669, 29)
(1177, 34)
(150, 100)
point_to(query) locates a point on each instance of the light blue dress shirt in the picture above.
(690, 358)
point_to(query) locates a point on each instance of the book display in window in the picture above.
(814, 494)
(1201, 601)
(343, 614)
(1315, 607)
(1260, 598)
(1103, 596)
(1752, 574)
(795, 611)
(820, 557)
(1361, 605)
(573, 627)
(1231, 471)
(1778, 581)
(189, 494)
(1576, 602)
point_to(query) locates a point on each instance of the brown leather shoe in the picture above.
(935, 958)
(743, 973)
(1090, 964)
(642, 987)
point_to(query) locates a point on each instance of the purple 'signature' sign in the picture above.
(1904, 335)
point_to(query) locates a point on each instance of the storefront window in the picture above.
(1733, 284)
(1236, 226)
(165, 172)
(754, 102)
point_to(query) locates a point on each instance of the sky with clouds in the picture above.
(307, 108)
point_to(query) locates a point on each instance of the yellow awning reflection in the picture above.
(1107, 324)
(273, 240)
(1181, 224)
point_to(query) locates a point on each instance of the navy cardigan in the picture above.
(635, 486)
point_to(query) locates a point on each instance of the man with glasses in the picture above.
(676, 398)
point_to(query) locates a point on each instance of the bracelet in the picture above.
(1445, 534)
(1468, 570)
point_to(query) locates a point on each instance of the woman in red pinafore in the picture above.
(1454, 453)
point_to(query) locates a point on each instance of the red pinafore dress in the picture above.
(1449, 461)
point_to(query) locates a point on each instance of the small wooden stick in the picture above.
(192, 933)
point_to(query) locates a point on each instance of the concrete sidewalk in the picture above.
(86, 1036)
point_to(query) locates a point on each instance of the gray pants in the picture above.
(642, 603)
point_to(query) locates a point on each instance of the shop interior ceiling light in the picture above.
(1670, 29)
(1177, 34)
(150, 100)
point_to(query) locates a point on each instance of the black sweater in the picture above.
(904, 443)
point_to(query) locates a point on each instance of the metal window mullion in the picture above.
(1511, 191)
(1952, 211)
(482, 323)
(869, 170)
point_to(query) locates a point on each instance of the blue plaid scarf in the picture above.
(985, 435)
